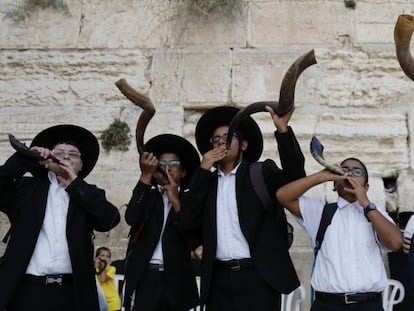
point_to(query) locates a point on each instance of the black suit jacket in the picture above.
(24, 200)
(264, 231)
(146, 207)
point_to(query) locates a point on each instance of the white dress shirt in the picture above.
(157, 256)
(350, 257)
(231, 243)
(51, 253)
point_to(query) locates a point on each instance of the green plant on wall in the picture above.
(208, 6)
(350, 4)
(24, 8)
(116, 136)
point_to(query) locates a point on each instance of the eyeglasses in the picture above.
(356, 171)
(63, 154)
(217, 138)
(172, 163)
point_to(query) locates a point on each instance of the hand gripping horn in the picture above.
(286, 95)
(146, 115)
(316, 149)
(403, 32)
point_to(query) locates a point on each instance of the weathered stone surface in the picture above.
(60, 67)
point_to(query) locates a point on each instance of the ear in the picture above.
(244, 145)
(183, 173)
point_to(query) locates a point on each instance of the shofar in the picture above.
(316, 149)
(286, 95)
(145, 117)
(403, 32)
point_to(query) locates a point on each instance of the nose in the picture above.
(66, 155)
(223, 139)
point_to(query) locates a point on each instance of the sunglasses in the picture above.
(66, 154)
(172, 163)
(355, 171)
(217, 138)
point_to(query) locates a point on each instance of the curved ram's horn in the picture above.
(403, 32)
(286, 95)
(316, 149)
(148, 112)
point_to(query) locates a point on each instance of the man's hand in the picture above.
(281, 123)
(148, 163)
(212, 156)
(359, 191)
(406, 245)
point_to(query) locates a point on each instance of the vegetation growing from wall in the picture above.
(116, 136)
(22, 9)
(206, 7)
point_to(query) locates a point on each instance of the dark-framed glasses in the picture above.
(217, 138)
(172, 163)
(355, 171)
(63, 154)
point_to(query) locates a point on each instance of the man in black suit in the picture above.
(245, 263)
(48, 262)
(159, 270)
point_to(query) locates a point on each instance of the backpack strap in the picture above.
(259, 185)
(327, 214)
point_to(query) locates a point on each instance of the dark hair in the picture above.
(100, 249)
(360, 162)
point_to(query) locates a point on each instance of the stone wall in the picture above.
(58, 64)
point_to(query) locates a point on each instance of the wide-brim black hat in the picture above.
(222, 116)
(86, 142)
(170, 143)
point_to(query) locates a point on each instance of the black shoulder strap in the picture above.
(328, 212)
(259, 185)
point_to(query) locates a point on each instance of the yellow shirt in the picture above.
(110, 290)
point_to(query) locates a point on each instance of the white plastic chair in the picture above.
(393, 294)
(293, 301)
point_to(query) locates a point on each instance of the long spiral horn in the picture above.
(286, 96)
(403, 32)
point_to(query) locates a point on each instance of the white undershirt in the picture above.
(350, 257)
(157, 256)
(51, 253)
(231, 243)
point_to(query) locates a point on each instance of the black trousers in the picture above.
(150, 294)
(242, 290)
(361, 306)
(33, 295)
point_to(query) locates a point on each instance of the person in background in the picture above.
(349, 271)
(106, 278)
(48, 262)
(159, 272)
(245, 262)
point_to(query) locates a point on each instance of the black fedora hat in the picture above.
(86, 142)
(170, 143)
(222, 116)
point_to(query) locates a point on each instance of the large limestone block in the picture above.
(192, 76)
(375, 21)
(38, 78)
(38, 27)
(354, 80)
(226, 26)
(125, 24)
(258, 74)
(275, 23)
(405, 186)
